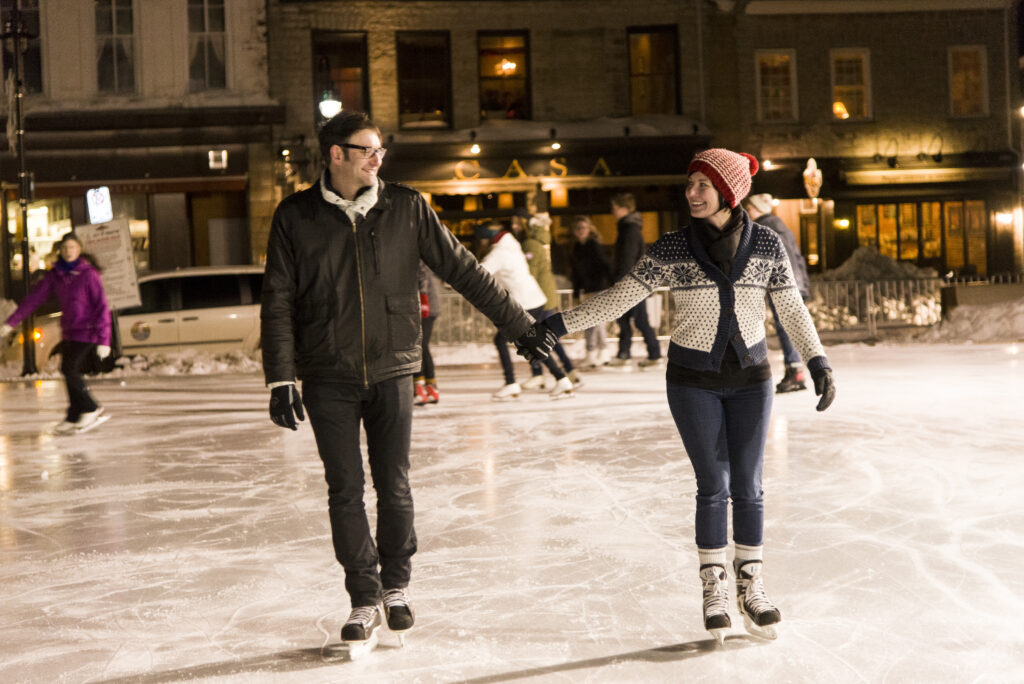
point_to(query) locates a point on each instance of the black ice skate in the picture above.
(792, 381)
(716, 601)
(399, 612)
(359, 633)
(759, 614)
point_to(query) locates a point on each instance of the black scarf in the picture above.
(721, 244)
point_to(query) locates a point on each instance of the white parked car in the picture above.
(206, 308)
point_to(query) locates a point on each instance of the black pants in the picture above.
(638, 314)
(427, 367)
(74, 357)
(385, 410)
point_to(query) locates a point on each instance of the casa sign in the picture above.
(471, 169)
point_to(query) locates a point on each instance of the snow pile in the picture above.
(867, 264)
(1000, 322)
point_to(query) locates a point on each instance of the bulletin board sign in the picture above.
(111, 244)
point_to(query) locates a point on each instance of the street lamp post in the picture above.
(15, 30)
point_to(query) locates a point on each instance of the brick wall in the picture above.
(579, 50)
(909, 83)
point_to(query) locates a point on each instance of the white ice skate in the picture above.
(716, 601)
(398, 611)
(359, 633)
(760, 616)
(562, 390)
(91, 420)
(509, 391)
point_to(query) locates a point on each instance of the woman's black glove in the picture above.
(824, 387)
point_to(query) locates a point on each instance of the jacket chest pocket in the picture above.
(403, 321)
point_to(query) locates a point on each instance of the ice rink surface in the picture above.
(187, 539)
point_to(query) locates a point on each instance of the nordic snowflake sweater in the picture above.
(713, 309)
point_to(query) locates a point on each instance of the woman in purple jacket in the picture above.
(84, 326)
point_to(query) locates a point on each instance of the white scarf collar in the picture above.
(360, 206)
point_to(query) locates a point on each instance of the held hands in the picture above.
(5, 330)
(536, 343)
(102, 351)
(285, 405)
(824, 387)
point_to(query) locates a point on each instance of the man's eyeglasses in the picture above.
(365, 151)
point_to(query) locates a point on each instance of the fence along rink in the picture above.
(838, 306)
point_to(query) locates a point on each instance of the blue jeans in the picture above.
(724, 432)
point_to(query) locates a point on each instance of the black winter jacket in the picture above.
(591, 271)
(796, 259)
(340, 301)
(629, 244)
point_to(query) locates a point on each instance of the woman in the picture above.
(719, 269)
(591, 272)
(84, 325)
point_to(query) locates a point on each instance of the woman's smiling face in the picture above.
(701, 195)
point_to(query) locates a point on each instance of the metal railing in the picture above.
(864, 307)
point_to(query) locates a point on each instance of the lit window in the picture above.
(652, 70)
(339, 68)
(968, 87)
(775, 72)
(851, 84)
(504, 76)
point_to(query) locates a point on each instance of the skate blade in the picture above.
(563, 395)
(761, 631)
(95, 424)
(720, 634)
(508, 398)
(360, 649)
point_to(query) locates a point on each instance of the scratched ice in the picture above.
(187, 538)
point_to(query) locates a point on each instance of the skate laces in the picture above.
(395, 597)
(716, 593)
(753, 591)
(364, 615)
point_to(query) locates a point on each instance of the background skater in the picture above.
(84, 327)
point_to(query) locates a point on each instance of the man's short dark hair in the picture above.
(625, 200)
(340, 128)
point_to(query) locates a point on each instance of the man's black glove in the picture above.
(285, 404)
(536, 343)
(824, 387)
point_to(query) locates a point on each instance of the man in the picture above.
(341, 312)
(760, 208)
(629, 247)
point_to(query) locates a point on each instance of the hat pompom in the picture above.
(754, 166)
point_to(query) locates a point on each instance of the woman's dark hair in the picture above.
(340, 128)
(72, 235)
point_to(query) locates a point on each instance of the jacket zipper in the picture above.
(362, 305)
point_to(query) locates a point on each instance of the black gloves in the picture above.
(824, 387)
(285, 404)
(536, 343)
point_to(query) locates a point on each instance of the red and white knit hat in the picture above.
(730, 172)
